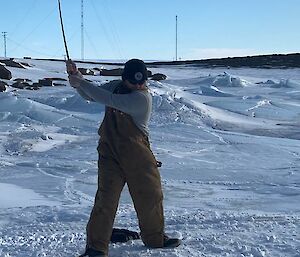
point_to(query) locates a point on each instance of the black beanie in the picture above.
(135, 72)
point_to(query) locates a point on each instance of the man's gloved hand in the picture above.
(71, 67)
(75, 77)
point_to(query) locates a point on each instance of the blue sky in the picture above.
(123, 29)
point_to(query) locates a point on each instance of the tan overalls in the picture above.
(125, 157)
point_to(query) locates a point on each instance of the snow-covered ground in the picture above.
(228, 140)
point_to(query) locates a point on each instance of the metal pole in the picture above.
(4, 34)
(63, 31)
(82, 31)
(176, 51)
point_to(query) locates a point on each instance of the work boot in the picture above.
(93, 253)
(171, 242)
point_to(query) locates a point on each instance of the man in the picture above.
(124, 157)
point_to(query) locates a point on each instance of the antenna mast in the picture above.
(82, 31)
(176, 50)
(4, 34)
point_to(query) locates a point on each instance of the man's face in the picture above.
(135, 86)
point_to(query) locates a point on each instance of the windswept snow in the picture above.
(228, 140)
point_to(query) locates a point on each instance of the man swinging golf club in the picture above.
(124, 157)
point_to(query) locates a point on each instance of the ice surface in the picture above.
(12, 196)
(228, 140)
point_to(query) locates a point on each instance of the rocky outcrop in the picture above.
(12, 63)
(55, 84)
(112, 72)
(20, 85)
(26, 85)
(50, 82)
(22, 80)
(26, 64)
(4, 73)
(2, 86)
(56, 79)
(85, 71)
(33, 86)
(46, 82)
(158, 77)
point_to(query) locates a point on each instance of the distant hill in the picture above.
(259, 61)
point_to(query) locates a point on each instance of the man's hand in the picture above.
(75, 77)
(71, 67)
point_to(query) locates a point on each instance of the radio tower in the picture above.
(82, 32)
(176, 51)
(4, 34)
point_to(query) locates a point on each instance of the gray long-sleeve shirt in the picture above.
(138, 103)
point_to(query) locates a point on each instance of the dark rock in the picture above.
(85, 71)
(59, 84)
(158, 76)
(57, 79)
(4, 73)
(2, 86)
(36, 85)
(149, 73)
(44, 137)
(49, 82)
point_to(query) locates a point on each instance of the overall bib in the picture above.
(125, 157)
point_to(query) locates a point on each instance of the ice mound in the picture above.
(13, 107)
(213, 91)
(162, 96)
(220, 80)
(73, 103)
(283, 83)
(164, 101)
(255, 97)
(22, 110)
(261, 104)
(226, 80)
(201, 80)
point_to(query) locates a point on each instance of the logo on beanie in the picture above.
(138, 76)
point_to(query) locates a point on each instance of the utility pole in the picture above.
(82, 32)
(4, 34)
(176, 49)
